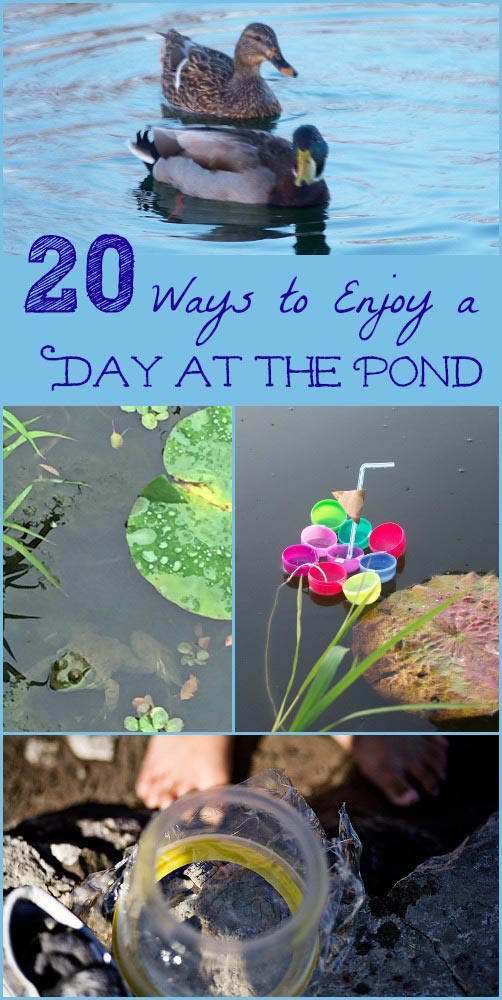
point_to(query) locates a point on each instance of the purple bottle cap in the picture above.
(338, 554)
(319, 537)
(298, 559)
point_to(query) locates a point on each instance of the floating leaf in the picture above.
(149, 420)
(202, 656)
(143, 700)
(159, 718)
(453, 658)
(146, 725)
(189, 688)
(131, 724)
(204, 641)
(184, 647)
(175, 725)
(49, 468)
(180, 536)
(228, 640)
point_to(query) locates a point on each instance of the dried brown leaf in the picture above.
(189, 688)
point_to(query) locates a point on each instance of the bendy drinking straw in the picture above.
(360, 481)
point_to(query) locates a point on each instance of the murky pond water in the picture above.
(405, 95)
(443, 491)
(106, 611)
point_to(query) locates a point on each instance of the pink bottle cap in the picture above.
(319, 537)
(298, 558)
(388, 537)
(326, 578)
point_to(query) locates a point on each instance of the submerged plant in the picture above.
(322, 687)
(16, 433)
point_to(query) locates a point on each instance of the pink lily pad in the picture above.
(454, 657)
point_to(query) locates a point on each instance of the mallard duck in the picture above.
(238, 164)
(207, 82)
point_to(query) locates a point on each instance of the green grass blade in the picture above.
(291, 681)
(21, 429)
(17, 501)
(326, 673)
(357, 671)
(352, 616)
(30, 437)
(23, 550)
(9, 431)
(13, 526)
(419, 707)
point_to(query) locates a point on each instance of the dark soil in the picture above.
(394, 840)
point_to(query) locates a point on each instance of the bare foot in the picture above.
(402, 767)
(174, 765)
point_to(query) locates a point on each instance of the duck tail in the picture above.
(145, 149)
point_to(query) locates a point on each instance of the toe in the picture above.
(400, 792)
(397, 789)
(425, 776)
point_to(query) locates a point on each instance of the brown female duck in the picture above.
(204, 81)
(239, 164)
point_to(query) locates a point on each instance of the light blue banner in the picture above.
(376, 330)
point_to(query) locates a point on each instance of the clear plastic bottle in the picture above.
(249, 927)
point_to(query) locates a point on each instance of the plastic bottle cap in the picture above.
(388, 537)
(299, 558)
(319, 537)
(326, 578)
(362, 532)
(363, 587)
(328, 512)
(380, 562)
(338, 554)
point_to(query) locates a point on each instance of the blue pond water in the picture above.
(405, 95)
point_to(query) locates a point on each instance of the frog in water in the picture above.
(89, 661)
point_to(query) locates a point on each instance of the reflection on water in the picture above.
(288, 458)
(404, 94)
(230, 223)
(106, 614)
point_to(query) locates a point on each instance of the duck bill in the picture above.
(277, 59)
(305, 168)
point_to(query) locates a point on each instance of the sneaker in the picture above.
(48, 951)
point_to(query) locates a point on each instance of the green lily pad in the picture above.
(180, 535)
(198, 451)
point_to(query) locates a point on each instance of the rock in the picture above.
(41, 752)
(92, 747)
(434, 934)
(24, 865)
(67, 854)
